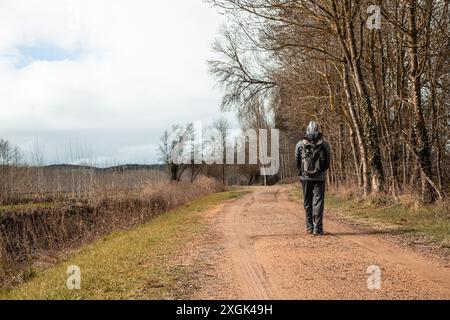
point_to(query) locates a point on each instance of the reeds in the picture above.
(32, 226)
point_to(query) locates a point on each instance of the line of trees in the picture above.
(375, 77)
(11, 171)
(188, 154)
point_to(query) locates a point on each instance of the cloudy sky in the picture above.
(102, 79)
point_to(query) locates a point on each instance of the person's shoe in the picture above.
(309, 231)
(318, 233)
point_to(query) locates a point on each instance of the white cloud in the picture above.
(140, 65)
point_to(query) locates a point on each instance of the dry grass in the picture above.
(401, 215)
(426, 221)
(145, 262)
(176, 193)
(30, 231)
(344, 192)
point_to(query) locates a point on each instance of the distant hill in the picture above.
(119, 168)
(69, 167)
(134, 167)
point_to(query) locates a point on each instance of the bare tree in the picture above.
(174, 150)
(12, 169)
(222, 125)
(381, 95)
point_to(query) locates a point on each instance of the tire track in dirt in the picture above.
(256, 248)
(250, 271)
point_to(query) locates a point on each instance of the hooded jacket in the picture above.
(313, 134)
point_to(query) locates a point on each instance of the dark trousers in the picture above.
(314, 192)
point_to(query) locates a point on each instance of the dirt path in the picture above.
(256, 248)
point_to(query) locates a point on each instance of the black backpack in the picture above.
(313, 155)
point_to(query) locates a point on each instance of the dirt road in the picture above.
(256, 247)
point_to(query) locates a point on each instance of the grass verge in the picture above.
(429, 222)
(142, 263)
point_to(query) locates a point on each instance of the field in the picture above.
(73, 207)
(143, 263)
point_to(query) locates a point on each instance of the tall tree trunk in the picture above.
(423, 145)
(355, 156)
(358, 130)
(370, 129)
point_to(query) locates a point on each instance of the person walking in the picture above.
(313, 156)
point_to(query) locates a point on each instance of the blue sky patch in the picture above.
(43, 51)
